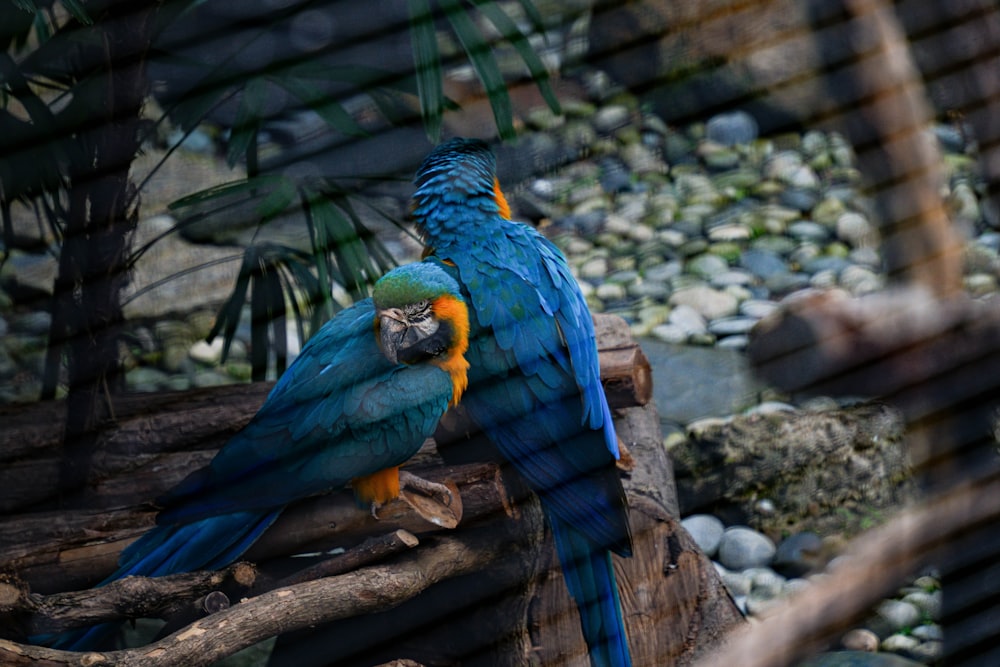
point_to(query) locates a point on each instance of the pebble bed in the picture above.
(692, 235)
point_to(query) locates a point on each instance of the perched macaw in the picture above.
(534, 385)
(367, 389)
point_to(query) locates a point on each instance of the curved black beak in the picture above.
(392, 330)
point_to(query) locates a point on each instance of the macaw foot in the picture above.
(439, 492)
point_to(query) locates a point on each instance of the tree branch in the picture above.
(364, 591)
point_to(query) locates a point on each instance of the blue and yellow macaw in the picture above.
(366, 391)
(534, 385)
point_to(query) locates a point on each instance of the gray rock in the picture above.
(927, 652)
(860, 639)
(706, 531)
(739, 584)
(663, 272)
(742, 548)
(855, 230)
(610, 118)
(757, 308)
(798, 554)
(28, 276)
(781, 284)
(730, 129)
(858, 280)
(710, 303)
(688, 319)
(767, 583)
(611, 292)
(825, 263)
(928, 603)
(737, 342)
(926, 633)
(734, 277)
(781, 165)
(718, 157)
(898, 614)
(669, 333)
(762, 263)
(807, 230)
(731, 326)
(706, 265)
(694, 382)
(799, 199)
(759, 606)
(899, 643)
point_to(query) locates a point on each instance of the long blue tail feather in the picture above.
(208, 544)
(590, 578)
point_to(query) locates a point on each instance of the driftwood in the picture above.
(503, 614)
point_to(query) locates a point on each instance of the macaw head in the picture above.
(458, 173)
(421, 316)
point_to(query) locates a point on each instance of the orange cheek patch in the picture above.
(502, 205)
(378, 488)
(457, 314)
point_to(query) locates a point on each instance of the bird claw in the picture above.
(426, 487)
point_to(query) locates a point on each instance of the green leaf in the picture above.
(276, 317)
(485, 65)
(510, 32)
(329, 109)
(277, 200)
(344, 244)
(427, 65)
(77, 11)
(229, 313)
(317, 239)
(248, 120)
(252, 186)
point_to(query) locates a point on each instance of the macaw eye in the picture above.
(418, 311)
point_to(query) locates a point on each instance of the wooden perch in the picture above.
(70, 549)
(364, 591)
(131, 597)
(625, 371)
(135, 461)
(161, 597)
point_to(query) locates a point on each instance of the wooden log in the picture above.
(131, 597)
(364, 591)
(56, 550)
(148, 427)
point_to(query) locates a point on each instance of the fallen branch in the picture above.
(364, 591)
(131, 597)
(163, 597)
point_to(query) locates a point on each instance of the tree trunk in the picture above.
(87, 310)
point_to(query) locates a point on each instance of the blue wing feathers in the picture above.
(534, 383)
(340, 411)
